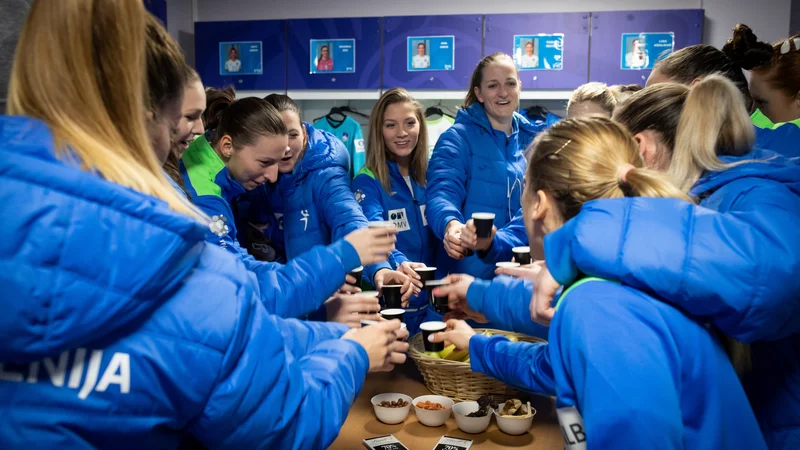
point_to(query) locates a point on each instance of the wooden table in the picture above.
(361, 423)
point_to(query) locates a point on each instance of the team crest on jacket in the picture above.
(360, 195)
(218, 226)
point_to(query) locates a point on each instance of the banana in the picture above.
(513, 339)
(433, 355)
(447, 350)
(457, 355)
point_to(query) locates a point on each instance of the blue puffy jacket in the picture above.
(505, 301)
(292, 290)
(128, 330)
(783, 139)
(628, 372)
(314, 202)
(735, 259)
(406, 210)
(476, 168)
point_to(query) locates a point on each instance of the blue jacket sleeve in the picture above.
(217, 206)
(301, 336)
(513, 234)
(340, 209)
(506, 300)
(521, 364)
(447, 182)
(300, 286)
(303, 284)
(738, 267)
(264, 393)
(373, 209)
(597, 347)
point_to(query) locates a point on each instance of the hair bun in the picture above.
(745, 50)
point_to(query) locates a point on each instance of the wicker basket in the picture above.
(456, 379)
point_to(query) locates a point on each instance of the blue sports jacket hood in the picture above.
(476, 168)
(55, 309)
(758, 164)
(128, 330)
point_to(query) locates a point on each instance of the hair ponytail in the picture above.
(217, 101)
(713, 122)
(746, 50)
(243, 120)
(587, 158)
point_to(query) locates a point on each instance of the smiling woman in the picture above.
(240, 151)
(391, 186)
(478, 162)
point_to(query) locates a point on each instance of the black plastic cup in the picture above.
(440, 304)
(429, 328)
(522, 255)
(483, 224)
(390, 314)
(426, 273)
(392, 298)
(356, 273)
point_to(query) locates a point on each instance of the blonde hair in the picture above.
(696, 124)
(86, 79)
(376, 147)
(587, 158)
(598, 93)
(477, 75)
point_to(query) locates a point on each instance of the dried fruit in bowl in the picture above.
(400, 403)
(515, 408)
(484, 403)
(429, 405)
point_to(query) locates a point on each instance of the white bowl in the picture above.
(514, 425)
(472, 425)
(391, 415)
(433, 418)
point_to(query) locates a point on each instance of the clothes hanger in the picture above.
(437, 110)
(537, 111)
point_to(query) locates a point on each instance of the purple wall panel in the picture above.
(367, 34)
(500, 31)
(467, 30)
(608, 27)
(271, 33)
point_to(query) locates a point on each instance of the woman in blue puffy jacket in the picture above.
(628, 371)
(736, 265)
(733, 259)
(391, 186)
(128, 329)
(312, 196)
(246, 140)
(477, 164)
